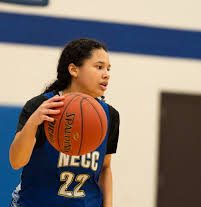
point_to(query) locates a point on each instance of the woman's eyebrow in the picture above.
(103, 63)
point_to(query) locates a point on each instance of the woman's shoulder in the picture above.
(39, 99)
(36, 100)
(33, 103)
(113, 111)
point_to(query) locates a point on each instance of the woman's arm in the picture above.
(24, 141)
(106, 181)
(22, 146)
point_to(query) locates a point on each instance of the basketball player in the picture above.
(53, 179)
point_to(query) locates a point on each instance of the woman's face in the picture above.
(93, 76)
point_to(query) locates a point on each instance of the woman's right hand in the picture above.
(46, 110)
(24, 141)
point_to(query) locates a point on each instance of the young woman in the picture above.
(53, 179)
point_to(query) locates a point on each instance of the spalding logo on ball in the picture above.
(80, 127)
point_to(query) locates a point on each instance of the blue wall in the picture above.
(8, 178)
(129, 38)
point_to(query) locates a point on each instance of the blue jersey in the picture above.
(54, 179)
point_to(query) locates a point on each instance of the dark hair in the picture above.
(74, 52)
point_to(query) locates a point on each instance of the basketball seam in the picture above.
(81, 124)
(62, 117)
(99, 119)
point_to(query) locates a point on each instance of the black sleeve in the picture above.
(113, 131)
(27, 111)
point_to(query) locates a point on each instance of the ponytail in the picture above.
(57, 86)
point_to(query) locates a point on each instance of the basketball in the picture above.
(80, 127)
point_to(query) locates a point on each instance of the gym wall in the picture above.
(154, 47)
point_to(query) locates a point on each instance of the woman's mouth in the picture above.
(104, 86)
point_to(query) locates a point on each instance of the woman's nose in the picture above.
(106, 74)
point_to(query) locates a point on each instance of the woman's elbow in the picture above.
(15, 166)
(15, 163)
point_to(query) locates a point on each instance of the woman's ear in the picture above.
(73, 70)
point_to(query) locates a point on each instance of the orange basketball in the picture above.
(80, 127)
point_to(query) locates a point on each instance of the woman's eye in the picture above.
(99, 67)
